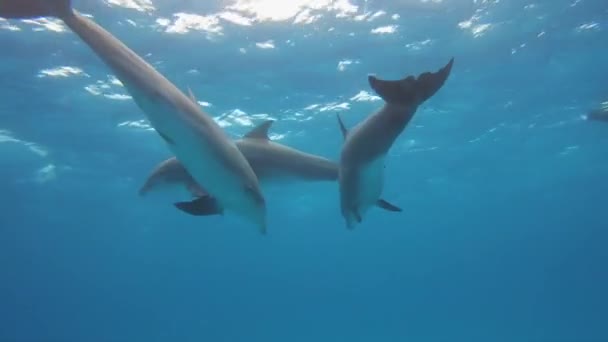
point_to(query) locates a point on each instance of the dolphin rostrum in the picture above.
(201, 145)
(361, 167)
(270, 161)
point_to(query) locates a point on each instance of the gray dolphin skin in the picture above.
(200, 144)
(270, 161)
(361, 167)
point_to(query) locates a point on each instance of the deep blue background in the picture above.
(503, 184)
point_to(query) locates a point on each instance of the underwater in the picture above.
(303, 170)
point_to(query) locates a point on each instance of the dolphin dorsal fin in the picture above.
(342, 127)
(191, 95)
(260, 131)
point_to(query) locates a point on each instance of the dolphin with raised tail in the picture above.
(361, 167)
(200, 144)
(270, 161)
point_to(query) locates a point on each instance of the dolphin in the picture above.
(361, 166)
(598, 114)
(201, 145)
(270, 161)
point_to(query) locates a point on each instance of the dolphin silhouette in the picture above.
(201, 145)
(270, 161)
(598, 114)
(361, 167)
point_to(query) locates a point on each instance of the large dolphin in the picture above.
(361, 169)
(204, 149)
(270, 161)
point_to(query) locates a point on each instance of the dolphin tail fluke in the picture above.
(24, 9)
(411, 90)
(202, 206)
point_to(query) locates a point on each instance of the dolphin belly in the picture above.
(360, 189)
(371, 183)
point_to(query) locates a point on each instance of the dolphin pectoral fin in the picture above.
(411, 90)
(387, 206)
(260, 131)
(342, 127)
(202, 206)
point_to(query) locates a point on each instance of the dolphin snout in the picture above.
(259, 206)
(257, 196)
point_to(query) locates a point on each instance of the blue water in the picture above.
(503, 183)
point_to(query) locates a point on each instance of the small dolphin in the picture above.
(201, 145)
(270, 161)
(598, 114)
(361, 169)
